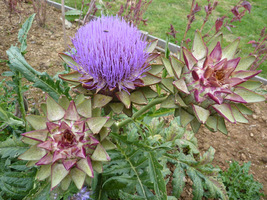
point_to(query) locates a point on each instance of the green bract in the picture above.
(68, 143)
(210, 85)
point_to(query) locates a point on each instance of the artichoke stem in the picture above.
(142, 110)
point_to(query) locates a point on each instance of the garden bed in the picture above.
(244, 142)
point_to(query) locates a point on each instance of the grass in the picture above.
(161, 14)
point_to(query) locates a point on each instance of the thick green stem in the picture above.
(142, 110)
(21, 100)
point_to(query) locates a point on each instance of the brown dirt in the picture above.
(245, 142)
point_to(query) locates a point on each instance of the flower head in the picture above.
(112, 63)
(67, 143)
(110, 53)
(213, 82)
(215, 78)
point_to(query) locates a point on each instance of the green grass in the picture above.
(161, 14)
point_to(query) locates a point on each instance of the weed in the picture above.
(239, 183)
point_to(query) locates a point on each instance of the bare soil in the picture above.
(244, 142)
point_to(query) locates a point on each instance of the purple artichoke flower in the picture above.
(111, 58)
(212, 82)
(110, 54)
(68, 143)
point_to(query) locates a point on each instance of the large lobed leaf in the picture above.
(16, 184)
(40, 80)
(12, 148)
(23, 32)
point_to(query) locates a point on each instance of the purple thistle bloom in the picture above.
(110, 54)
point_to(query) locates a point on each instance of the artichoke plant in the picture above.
(111, 59)
(210, 84)
(68, 143)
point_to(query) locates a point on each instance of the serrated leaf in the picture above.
(126, 196)
(3, 115)
(43, 193)
(183, 143)
(207, 156)
(216, 188)
(23, 32)
(156, 177)
(40, 80)
(197, 184)
(12, 148)
(16, 184)
(178, 181)
(19, 165)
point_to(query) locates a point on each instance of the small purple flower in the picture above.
(110, 54)
(82, 195)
